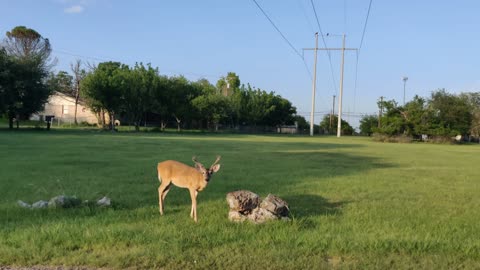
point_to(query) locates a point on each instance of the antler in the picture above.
(216, 161)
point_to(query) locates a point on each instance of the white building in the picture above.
(63, 108)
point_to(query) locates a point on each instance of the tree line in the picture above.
(441, 115)
(129, 92)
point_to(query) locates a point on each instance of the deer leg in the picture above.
(193, 196)
(161, 189)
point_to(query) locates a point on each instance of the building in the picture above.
(62, 106)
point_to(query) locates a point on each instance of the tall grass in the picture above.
(354, 203)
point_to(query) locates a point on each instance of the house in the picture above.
(62, 106)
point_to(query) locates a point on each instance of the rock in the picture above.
(275, 205)
(235, 216)
(242, 201)
(261, 215)
(40, 204)
(23, 204)
(104, 202)
(63, 201)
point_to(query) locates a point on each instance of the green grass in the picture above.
(355, 203)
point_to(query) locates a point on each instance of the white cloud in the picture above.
(74, 9)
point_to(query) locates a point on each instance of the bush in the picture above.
(392, 139)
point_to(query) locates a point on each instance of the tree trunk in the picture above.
(10, 121)
(163, 125)
(137, 126)
(76, 106)
(178, 122)
(112, 121)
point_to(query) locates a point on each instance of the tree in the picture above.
(213, 107)
(473, 99)
(180, 95)
(229, 84)
(78, 75)
(368, 124)
(26, 43)
(450, 115)
(61, 82)
(30, 53)
(104, 88)
(139, 82)
(347, 129)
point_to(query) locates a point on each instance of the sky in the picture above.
(433, 43)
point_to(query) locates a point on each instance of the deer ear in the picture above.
(215, 168)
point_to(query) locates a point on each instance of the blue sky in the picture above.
(434, 43)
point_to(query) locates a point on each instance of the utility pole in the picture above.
(404, 78)
(314, 85)
(333, 112)
(339, 126)
(343, 49)
(380, 112)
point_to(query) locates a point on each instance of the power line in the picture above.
(358, 54)
(365, 25)
(325, 45)
(106, 59)
(284, 38)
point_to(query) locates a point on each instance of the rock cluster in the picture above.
(246, 205)
(62, 201)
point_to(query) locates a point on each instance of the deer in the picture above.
(195, 179)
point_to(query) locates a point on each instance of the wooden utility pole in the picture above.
(343, 49)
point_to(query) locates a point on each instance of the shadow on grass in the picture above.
(309, 205)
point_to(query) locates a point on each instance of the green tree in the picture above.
(346, 129)
(137, 94)
(30, 53)
(450, 115)
(368, 124)
(473, 99)
(61, 82)
(229, 84)
(104, 88)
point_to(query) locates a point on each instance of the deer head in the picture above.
(207, 173)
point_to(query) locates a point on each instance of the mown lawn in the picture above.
(354, 203)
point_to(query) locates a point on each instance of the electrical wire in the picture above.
(283, 36)
(365, 25)
(325, 46)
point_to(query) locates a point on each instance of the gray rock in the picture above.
(242, 201)
(63, 201)
(104, 202)
(275, 205)
(261, 215)
(40, 204)
(23, 204)
(235, 216)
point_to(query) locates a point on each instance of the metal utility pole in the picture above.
(343, 49)
(314, 85)
(404, 78)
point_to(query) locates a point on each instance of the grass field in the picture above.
(354, 203)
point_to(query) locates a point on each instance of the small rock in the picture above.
(104, 202)
(242, 201)
(236, 216)
(40, 204)
(275, 205)
(23, 204)
(63, 201)
(261, 215)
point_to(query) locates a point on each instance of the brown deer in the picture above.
(181, 175)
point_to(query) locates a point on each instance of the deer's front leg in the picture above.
(193, 196)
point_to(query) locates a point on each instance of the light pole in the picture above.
(405, 79)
